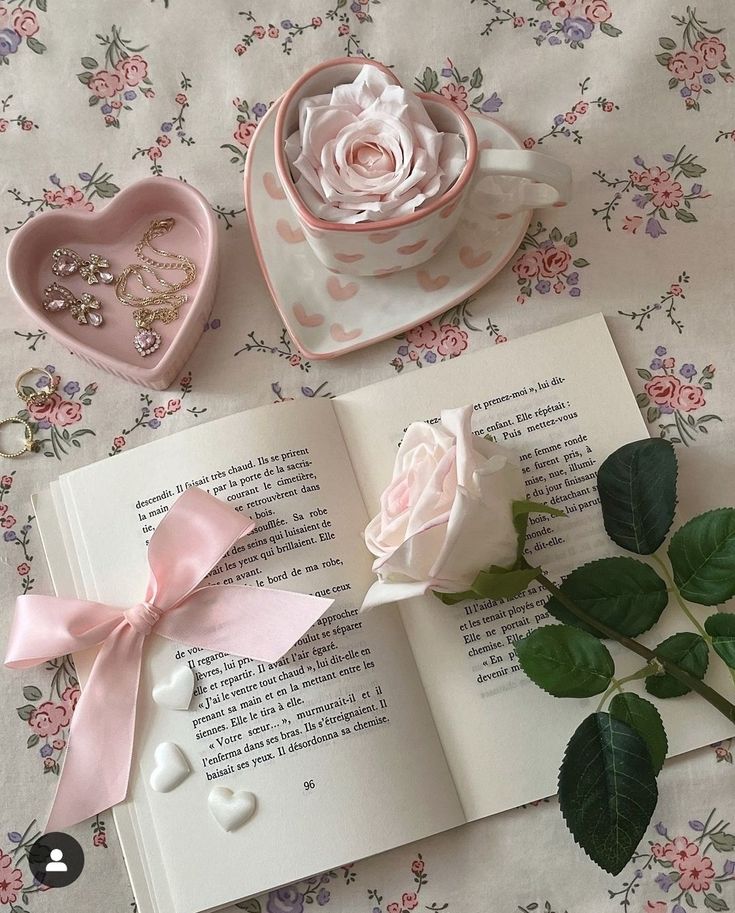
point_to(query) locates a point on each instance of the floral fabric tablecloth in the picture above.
(637, 98)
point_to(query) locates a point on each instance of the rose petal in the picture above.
(447, 513)
(382, 593)
(369, 151)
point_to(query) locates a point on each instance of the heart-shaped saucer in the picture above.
(327, 314)
(176, 692)
(231, 809)
(112, 233)
(171, 768)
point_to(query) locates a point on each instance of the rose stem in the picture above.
(709, 694)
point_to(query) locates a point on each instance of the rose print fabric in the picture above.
(636, 97)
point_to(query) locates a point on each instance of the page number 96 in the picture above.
(309, 785)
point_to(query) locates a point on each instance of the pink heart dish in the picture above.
(113, 342)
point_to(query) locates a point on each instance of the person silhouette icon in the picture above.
(55, 859)
(56, 864)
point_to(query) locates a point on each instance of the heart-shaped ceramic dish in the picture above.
(113, 232)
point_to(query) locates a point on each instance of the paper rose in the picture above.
(447, 513)
(369, 151)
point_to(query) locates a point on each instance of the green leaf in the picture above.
(702, 554)
(84, 77)
(690, 652)
(521, 510)
(668, 44)
(684, 215)
(106, 188)
(565, 661)
(430, 80)
(722, 841)
(476, 80)
(625, 594)
(643, 717)
(642, 399)
(663, 59)
(713, 902)
(580, 262)
(571, 240)
(25, 711)
(93, 100)
(455, 598)
(653, 414)
(692, 170)
(31, 693)
(41, 4)
(503, 583)
(89, 63)
(673, 82)
(610, 30)
(33, 740)
(555, 235)
(645, 374)
(637, 487)
(721, 628)
(607, 790)
(35, 45)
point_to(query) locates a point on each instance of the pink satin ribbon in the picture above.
(254, 622)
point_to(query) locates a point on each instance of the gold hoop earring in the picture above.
(33, 397)
(29, 445)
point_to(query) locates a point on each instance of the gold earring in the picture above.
(94, 269)
(31, 396)
(29, 445)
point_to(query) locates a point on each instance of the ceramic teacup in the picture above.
(375, 248)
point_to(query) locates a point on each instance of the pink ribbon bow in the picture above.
(258, 623)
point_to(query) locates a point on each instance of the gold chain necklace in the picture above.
(165, 299)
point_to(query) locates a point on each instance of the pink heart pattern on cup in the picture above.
(349, 258)
(384, 237)
(407, 249)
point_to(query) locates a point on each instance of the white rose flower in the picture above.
(447, 513)
(369, 151)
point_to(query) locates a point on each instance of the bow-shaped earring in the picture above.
(85, 310)
(94, 269)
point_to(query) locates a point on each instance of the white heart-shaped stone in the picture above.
(176, 692)
(231, 810)
(171, 768)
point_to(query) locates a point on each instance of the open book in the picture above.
(377, 729)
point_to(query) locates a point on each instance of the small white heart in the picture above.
(176, 693)
(171, 768)
(231, 810)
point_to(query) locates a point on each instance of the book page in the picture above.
(340, 723)
(560, 401)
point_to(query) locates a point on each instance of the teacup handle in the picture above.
(550, 181)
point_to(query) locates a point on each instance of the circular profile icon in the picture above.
(56, 860)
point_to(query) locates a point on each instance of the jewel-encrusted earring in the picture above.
(94, 269)
(85, 310)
